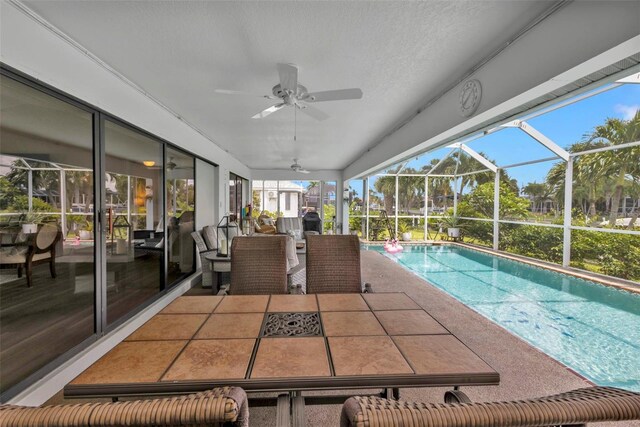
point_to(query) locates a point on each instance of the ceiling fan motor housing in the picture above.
(301, 91)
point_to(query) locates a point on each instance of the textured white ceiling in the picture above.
(399, 53)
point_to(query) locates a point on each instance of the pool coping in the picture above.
(622, 284)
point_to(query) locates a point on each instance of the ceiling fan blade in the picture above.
(312, 111)
(239, 92)
(288, 77)
(334, 95)
(303, 171)
(268, 111)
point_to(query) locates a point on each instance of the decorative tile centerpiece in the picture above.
(292, 325)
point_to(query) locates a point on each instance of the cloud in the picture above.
(627, 111)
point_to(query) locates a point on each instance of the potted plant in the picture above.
(403, 228)
(453, 225)
(86, 232)
(30, 223)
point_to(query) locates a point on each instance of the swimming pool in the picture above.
(591, 328)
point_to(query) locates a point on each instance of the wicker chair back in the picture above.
(258, 265)
(225, 406)
(573, 408)
(333, 264)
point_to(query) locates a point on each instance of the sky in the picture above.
(564, 126)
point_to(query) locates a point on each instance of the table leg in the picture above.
(456, 396)
(283, 411)
(297, 409)
(215, 282)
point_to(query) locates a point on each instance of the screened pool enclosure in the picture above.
(561, 184)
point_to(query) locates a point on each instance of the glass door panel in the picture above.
(46, 177)
(181, 213)
(329, 207)
(134, 216)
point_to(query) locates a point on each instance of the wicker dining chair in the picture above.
(333, 264)
(574, 408)
(259, 265)
(221, 406)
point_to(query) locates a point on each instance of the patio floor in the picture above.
(525, 372)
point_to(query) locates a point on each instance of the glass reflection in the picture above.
(135, 235)
(46, 181)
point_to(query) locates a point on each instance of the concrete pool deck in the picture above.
(525, 372)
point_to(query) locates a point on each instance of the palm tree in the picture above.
(79, 183)
(440, 186)
(410, 189)
(386, 185)
(589, 178)
(619, 163)
(538, 192)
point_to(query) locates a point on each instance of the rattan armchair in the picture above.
(333, 264)
(574, 408)
(259, 265)
(221, 406)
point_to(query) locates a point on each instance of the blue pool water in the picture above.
(591, 328)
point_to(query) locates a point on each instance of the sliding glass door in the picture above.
(134, 213)
(181, 206)
(112, 209)
(47, 188)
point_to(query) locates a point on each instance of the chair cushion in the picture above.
(18, 255)
(38, 257)
(286, 224)
(268, 221)
(200, 244)
(20, 237)
(266, 229)
(210, 236)
(12, 256)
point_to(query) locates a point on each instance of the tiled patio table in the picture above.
(285, 343)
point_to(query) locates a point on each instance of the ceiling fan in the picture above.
(290, 93)
(171, 165)
(297, 168)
